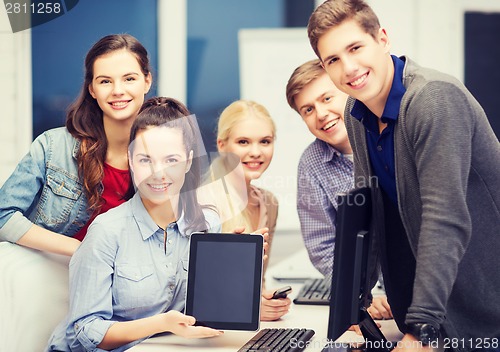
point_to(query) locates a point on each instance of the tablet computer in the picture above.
(225, 280)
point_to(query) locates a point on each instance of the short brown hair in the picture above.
(301, 77)
(333, 12)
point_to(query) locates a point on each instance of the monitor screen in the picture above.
(353, 218)
(350, 282)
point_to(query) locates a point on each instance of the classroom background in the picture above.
(210, 53)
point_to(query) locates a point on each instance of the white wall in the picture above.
(15, 96)
(425, 30)
(267, 59)
(172, 29)
(428, 31)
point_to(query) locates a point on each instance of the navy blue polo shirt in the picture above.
(381, 145)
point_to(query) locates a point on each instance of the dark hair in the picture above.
(84, 116)
(332, 13)
(171, 113)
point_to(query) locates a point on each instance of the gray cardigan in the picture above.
(448, 182)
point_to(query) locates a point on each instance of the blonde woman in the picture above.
(245, 141)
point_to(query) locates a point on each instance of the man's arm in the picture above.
(441, 132)
(316, 208)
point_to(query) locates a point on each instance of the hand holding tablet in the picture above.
(264, 231)
(225, 280)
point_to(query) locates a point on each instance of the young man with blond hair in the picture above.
(437, 160)
(325, 168)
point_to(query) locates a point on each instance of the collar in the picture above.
(329, 151)
(393, 103)
(147, 226)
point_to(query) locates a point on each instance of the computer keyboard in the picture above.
(314, 291)
(278, 340)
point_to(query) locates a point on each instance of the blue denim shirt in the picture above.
(121, 273)
(44, 189)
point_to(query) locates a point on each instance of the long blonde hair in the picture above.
(232, 202)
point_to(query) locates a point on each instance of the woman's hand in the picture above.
(273, 309)
(262, 231)
(183, 325)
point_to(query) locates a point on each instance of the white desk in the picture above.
(300, 316)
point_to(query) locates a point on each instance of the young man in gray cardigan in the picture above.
(437, 161)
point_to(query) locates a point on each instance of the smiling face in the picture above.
(321, 106)
(159, 163)
(119, 85)
(252, 140)
(358, 65)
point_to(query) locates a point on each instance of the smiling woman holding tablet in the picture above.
(128, 278)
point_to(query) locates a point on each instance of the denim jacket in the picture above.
(44, 189)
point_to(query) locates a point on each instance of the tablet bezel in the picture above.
(258, 240)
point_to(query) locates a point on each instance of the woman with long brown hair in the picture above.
(128, 278)
(71, 174)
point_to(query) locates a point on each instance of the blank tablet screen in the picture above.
(224, 280)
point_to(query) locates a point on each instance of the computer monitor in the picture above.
(350, 282)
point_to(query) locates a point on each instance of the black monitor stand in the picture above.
(374, 338)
